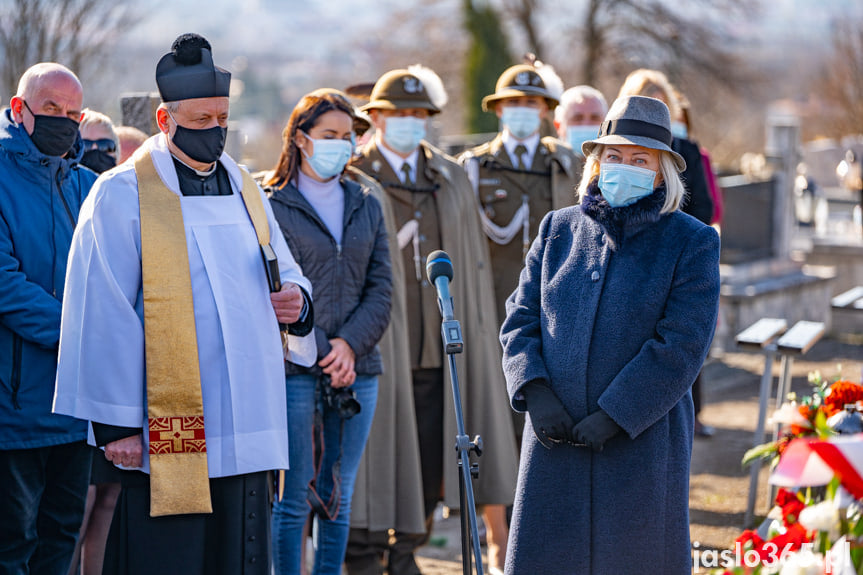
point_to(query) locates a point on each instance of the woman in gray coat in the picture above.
(609, 326)
(336, 231)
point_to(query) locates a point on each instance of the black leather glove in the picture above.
(595, 429)
(550, 420)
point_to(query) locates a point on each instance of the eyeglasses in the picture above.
(106, 145)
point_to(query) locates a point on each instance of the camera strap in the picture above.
(330, 509)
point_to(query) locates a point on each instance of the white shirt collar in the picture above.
(395, 161)
(510, 142)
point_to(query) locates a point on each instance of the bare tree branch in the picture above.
(74, 33)
(841, 86)
(523, 12)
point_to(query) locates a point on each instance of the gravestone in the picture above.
(139, 111)
(758, 277)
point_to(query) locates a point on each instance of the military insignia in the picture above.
(376, 166)
(489, 182)
(500, 194)
(412, 85)
(522, 79)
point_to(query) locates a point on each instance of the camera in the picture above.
(343, 400)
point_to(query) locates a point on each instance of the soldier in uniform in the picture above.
(433, 208)
(517, 177)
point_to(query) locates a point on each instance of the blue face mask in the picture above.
(622, 184)
(329, 157)
(404, 133)
(678, 130)
(577, 135)
(521, 121)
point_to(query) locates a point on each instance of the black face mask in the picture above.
(98, 161)
(53, 135)
(201, 145)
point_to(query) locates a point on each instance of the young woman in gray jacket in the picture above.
(335, 229)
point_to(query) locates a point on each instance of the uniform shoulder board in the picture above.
(560, 153)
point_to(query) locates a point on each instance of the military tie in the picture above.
(406, 174)
(520, 151)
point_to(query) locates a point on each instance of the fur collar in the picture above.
(623, 222)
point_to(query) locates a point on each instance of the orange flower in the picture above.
(785, 440)
(807, 412)
(841, 392)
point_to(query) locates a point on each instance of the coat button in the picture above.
(418, 214)
(253, 560)
(252, 537)
(595, 276)
(252, 493)
(252, 515)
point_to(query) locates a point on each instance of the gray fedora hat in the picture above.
(637, 121)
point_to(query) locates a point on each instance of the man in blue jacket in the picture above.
(44, 463)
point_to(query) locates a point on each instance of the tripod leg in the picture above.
(466, 547)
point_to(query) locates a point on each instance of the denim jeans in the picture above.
(41, 507)
(289, 514)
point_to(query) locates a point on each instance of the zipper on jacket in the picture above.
(63, 199)
(340, 278)
(17, 349)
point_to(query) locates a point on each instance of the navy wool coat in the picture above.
(612, 315)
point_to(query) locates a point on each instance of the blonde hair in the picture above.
(93, 119)
(653, 84)
(675, 193)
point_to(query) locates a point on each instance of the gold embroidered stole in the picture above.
(179, 479)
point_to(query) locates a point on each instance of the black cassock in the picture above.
(233, 540)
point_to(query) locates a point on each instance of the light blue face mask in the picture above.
(521, 121)
(329, 157)
(622, 184)
(678, 130)
(404, 133)
(577, 135)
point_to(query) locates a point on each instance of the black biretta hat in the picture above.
(187, 71)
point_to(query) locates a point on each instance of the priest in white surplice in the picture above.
(170, 340)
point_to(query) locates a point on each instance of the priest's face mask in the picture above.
(197, 127)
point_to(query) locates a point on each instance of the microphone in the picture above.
(439, 272)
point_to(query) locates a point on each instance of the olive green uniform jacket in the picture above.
(502, 189)
(483, 392)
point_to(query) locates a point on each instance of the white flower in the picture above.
(819, 517)
(788, 414)
(803, 562)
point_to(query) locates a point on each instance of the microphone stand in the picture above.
(464, 446)
(453, 344)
